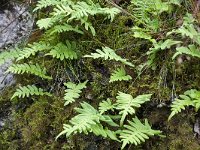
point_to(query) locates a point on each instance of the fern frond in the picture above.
(111, 12)
(73, 91)
(163, 45)
(62, 51)
(9, 55)
(87, 120)
(195, 97)
(191, 50)
(29, 90)
(127, 104)
(27, 68)
(45, 23)
(119, 75)
(45, 3)
(65, 28)
(190, 98)
(32, 49)
(180, 104)
(68, 10)
(108, 54)
(188, 29)
(136, 132)
(105, 106)
(98, 129)
(142, 33)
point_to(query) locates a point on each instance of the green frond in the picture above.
(45, 3)
(73, 91)
(190, 98)
(126, 104)
(108, 54)
(111, 12)
(136, 132)
(65, 28)
(143, 34)
(27, 68)
(62, 51)
(88, 120)
(191, 50)
(29, 90)
(32, 49)
(119, 75)
(98, 129)
(9, 55)
(68, 10)
(188, 29)
(45, 23)
(105, 106)
(162, 45)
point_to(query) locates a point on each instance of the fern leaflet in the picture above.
(62, 51)
(29, 90)
(7, 55)
(88, 120)
(105, 106)
(108, 54)
(191, 50)
(127, 104)
(73, 91)
(32, 49)
(190, 98)
(119, 75)
(27, 68)
(136, 132)
(45, 3)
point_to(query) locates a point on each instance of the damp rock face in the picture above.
(15, 26)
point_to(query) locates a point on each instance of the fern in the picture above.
(160, 46)
(9, 55)
(45, 3)
(136, 132)
(65, 28)
(105, 106)
(62, 51)
(29, 90)
(46, 23)
(190, 50)
(88, 120)
(32, 49)
(70, 11)
(98, 129)
(119, 75)
(143, 34)
(188, 29)
(126, 104)
(108, 54)
(73, 91)
(190, 98)
(26, 68)
(148, 12)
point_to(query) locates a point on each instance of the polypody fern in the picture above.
(126, 104)
(190, 98)
(119, 75)
(29, 90)
(108, 54)
(29, 68)
(73, 91)
(136, 132)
